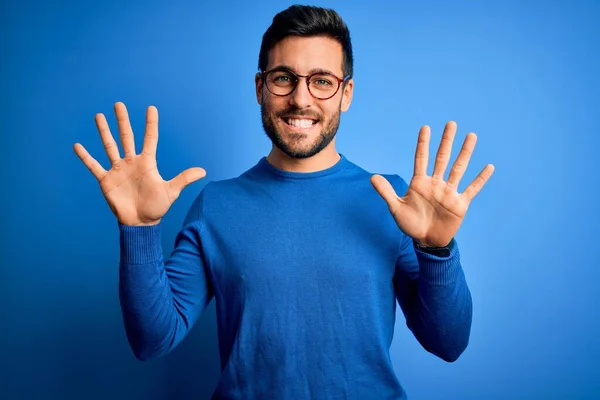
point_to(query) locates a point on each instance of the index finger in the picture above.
(422, 151)
(151, 135)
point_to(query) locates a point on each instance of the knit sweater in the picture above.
(306, 270)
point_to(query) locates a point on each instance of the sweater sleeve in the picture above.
(435, 299)
(162, 299)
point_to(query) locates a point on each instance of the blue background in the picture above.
(522, 75)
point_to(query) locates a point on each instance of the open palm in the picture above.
(432, 210)
(133, 187)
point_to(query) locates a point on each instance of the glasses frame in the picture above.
(265, 74)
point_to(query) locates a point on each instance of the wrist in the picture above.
(440, 251)
(428, 245)
(136, 223)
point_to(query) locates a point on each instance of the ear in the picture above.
(347, 95)
(259, 86)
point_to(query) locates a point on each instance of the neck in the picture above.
(327, 158)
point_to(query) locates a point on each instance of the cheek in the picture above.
(267, 107)
(329, 113)
(270, 103)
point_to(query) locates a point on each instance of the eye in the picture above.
(282, 78)
(321, 80)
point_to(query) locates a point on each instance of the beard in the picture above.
(294, 148)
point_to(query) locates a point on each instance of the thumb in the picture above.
(184, 178)
(385, 189)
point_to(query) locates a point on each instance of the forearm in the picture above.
(436, 302)
(442, 314)
(157, 298)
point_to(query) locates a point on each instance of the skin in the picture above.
(293, 148)
(430, 212)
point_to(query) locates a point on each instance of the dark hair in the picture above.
(306, 21)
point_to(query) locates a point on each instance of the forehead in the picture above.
(304, 54)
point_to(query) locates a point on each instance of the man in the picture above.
(305, 254)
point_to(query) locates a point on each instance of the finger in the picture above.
(443, 154)
(475, 187)
(186, 177)
(385, 190)
(462, 161)
(125, 130)
(112, 150)
(89, 161)
(151, 135)
(422, 152)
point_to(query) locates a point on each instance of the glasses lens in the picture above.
(281, 82)
(323, 86)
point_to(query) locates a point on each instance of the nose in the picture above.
(301, 97)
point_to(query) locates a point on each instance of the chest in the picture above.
(302, 248)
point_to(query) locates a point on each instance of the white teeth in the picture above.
(301, 123)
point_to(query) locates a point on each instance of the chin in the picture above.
(299, 139)
(301, 145)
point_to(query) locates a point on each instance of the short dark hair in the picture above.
(306, 21)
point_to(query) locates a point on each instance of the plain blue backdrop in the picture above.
(522, 75)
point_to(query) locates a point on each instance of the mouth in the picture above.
(299, 124)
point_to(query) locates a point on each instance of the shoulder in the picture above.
(399, 184)
(222, 194)
(214, 188)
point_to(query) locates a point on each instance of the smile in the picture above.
(300, 123)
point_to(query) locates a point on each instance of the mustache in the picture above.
(295, 112)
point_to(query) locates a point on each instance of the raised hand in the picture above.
(133, 187)
(432, 210)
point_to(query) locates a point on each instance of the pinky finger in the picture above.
(89, 161)
(475, 187)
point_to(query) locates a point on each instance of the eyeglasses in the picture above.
(321, 85)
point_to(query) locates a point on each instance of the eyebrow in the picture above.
(312, 71)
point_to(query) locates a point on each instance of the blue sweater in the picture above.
(305, 270)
